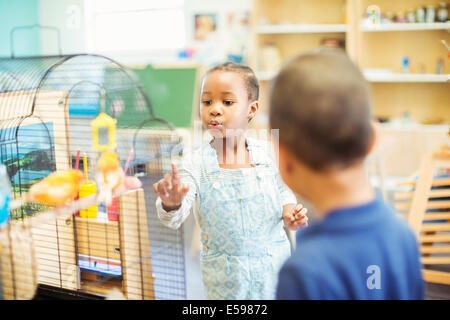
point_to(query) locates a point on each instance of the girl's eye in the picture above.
(228, 102)
(206, 102)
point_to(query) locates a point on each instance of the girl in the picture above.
(233, 180)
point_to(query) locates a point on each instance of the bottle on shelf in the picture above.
(420, 15)
(410, 16)
(440, 66)
(430, 14)
(405, 64)
(400, 17)
(442, 13)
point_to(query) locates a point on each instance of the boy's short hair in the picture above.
(251, 82)
(320, 102)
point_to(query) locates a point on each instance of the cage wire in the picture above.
(47, 105)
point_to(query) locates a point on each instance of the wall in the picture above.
(207, 52)
(19, 13)
(68, 17)
(215, 51)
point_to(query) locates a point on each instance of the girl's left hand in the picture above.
(296, 218)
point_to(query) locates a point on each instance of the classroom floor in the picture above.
(436, 291)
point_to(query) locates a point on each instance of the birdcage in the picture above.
(52, 108)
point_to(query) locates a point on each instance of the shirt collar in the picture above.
(349, 218)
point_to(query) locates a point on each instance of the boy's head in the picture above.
(229, 98)
(320, 102)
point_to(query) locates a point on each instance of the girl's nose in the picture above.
(215, 110)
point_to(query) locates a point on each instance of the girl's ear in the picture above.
(253, 107)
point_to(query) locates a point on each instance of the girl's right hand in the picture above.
(170, 190)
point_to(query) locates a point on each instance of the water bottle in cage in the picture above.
(5, 195)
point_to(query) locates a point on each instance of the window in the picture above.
(114, 26)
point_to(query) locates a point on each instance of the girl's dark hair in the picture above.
(251, 82)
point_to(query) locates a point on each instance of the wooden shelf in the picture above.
(405, 27)
(301, 28)
(398, 77)
(298, 26)
(394, 77)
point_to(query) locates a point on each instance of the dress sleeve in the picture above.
(190, 176)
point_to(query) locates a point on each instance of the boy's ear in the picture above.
(286, 157)
(253, 107)
(374, 139)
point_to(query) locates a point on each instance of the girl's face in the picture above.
(225, 107)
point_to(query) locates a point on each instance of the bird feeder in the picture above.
(104, 132)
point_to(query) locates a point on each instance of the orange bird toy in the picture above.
(57, 189)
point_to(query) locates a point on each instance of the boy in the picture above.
(359, 248)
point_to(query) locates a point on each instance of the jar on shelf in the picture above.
(373, 15)
(400, 17)
(430, 14)
(410, 16)
(420, 15)
(442, 13)
(389, 17)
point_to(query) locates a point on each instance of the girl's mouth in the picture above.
(214, 124)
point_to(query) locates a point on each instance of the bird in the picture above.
(109, 166)
(112, 177)
(110, 174)
(56, 189)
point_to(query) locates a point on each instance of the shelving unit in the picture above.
(424, 96)
(384, 78)
(294, 26)
(297, 26)
(301, 28)
(406, 27)
(408, 77)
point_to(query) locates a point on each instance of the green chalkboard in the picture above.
(171, 92)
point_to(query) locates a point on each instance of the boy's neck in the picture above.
(344, 189)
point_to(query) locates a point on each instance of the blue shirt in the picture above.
(362, 252)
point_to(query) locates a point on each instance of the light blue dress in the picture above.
(240, 216)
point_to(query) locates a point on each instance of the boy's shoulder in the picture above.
(319, 242)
